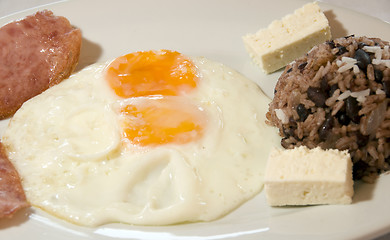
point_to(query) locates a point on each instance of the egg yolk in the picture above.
(156, 83)
(160, 121)
(163, 72)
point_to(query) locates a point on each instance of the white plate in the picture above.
(212, 29)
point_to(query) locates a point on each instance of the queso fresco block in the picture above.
(287, 39)
(303, 176)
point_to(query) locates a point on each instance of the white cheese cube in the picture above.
(289, 38)
(303, 176)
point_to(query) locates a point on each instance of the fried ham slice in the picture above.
(12, 197)
(36, 53)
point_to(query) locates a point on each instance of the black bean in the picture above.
(363, 59)
(378, 75)
(326, 128)
(343, 118)
(359, 168)
(289, 70)
(302, 112)
(361, 139)
(361, 45)
(324, 85)
(332, 89)
(302, 66)
(342, 50)
(331, 44)
(352, 109)
(317, 96)
(386, 88)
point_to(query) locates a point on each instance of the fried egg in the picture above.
(149, 138)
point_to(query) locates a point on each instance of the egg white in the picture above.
(66, 145)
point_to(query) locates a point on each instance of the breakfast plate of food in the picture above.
(194, 120)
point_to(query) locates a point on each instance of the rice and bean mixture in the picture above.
(338, 96)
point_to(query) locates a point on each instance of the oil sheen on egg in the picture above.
(108, 146)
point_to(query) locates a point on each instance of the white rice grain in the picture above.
(361, 95)
(281, 116)
(344, 95)
(356, 69)
(380, 91)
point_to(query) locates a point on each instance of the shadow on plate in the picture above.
(89, 54)
(363, 191)
(336, 27)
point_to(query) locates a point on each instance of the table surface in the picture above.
(376, 8)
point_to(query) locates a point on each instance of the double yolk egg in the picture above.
(149, 138)
(155, 78)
